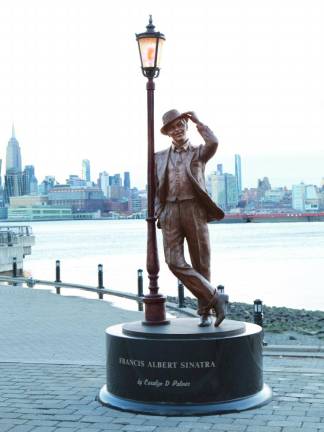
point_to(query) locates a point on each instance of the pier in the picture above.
(15, 243)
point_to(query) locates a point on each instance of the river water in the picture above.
(280, 263)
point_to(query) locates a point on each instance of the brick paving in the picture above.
(41, 395)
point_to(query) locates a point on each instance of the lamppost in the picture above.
(150, 45)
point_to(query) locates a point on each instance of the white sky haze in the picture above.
(252, 70)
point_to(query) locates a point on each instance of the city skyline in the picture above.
(251, 70)
(84, 169)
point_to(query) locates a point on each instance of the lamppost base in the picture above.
(155, 310)
(183, 369)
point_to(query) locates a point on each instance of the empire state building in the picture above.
(13, 158)
(13, 177)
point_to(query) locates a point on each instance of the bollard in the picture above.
(221, 290)
(258, 316)
(140, 291)
(258, 312)
(181, 300)
(58, 275)
(100, 280)
(30, 282)
(14, 267)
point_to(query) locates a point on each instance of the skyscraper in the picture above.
(13, 177)
(238, 173)
(104, 183)
(231, 191)
(127, 183)
(13, 157)
(217, 188)
(86, 170)
(30, 183)
(219, 169)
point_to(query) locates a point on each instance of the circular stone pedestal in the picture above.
(183, 369)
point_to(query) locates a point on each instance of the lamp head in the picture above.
(150, 45)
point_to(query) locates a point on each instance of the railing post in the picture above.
(140, 291)
(58, 275)
(14, 269)
(181, 300)
(100, 280)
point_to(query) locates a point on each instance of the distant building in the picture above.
(222, 189)
(77, 198)
(104, 183)
(115, 180)
(127, 182)
(117, 191)
(305, 198)
(13, 183)
(75, 181)
(30, 183)
(38, 213)
(274, 195)
(298, 197)
(28, 201)
(217, 188)
(219, 169)
(238, 174)
(231, 192)
(86, 171)
(46, 185)
(312, 201)
(137, 202)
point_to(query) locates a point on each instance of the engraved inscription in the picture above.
(158, 384)
(152, 364)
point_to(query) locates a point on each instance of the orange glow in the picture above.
(150, 53)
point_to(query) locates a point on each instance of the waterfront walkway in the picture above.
(52, 357)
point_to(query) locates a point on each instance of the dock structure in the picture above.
(15, 242)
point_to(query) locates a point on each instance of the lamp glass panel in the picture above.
(148, 50)
(160, 47)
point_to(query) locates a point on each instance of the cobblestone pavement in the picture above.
(61, 398)
(38, 326)
(39, 330)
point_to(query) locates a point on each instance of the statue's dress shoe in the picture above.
(219, 308)
(218, 304)
(205, 321)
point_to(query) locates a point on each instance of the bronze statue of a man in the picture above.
(183, 208)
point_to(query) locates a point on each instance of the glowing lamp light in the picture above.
(150, 45)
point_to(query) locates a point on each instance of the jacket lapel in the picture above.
(165, 164)
(189, 158)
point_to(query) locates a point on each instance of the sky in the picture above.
(252, 70)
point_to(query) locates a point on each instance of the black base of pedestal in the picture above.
(186, 409)
(183, 369)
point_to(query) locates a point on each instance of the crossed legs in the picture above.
(187, 220)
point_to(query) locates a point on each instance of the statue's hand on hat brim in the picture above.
(191, 115)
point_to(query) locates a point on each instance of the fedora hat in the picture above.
(169, 117)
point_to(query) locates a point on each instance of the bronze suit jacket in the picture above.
(195, 168)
